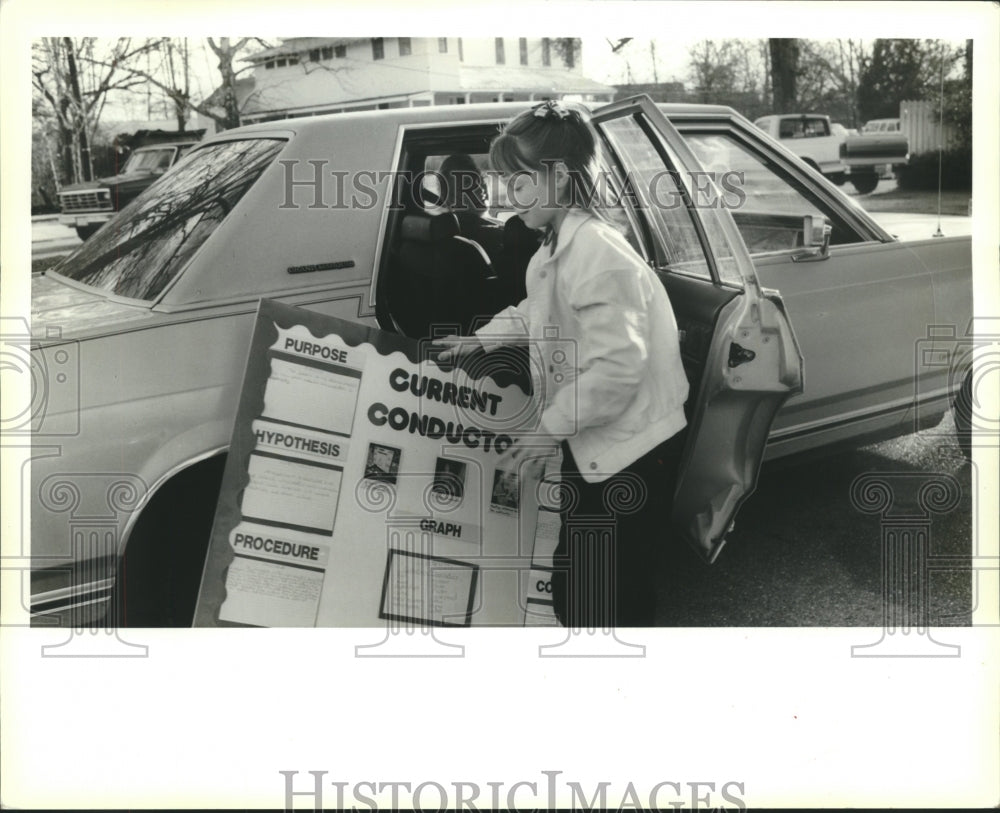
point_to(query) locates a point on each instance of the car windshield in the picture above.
(137, 253)
(148, 160)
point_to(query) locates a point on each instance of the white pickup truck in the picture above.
(838, 155)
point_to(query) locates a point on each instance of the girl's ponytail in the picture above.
(558, 131)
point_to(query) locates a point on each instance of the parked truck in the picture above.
(89, 205)
(838, 155)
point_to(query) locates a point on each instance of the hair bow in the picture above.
(551, 109)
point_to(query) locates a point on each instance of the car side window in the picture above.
(771, 205)
(655, 192)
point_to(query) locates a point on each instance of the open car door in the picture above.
(740, 354)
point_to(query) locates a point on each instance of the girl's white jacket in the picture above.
(604, 344)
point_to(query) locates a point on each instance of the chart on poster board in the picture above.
(365, 485)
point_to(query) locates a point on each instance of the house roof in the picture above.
(296, 45)
(312, 85)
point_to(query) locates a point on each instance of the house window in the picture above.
(293, 60)
(327, 52)
(570, 55)
(442, 45)
(314, 55)
(522, 45)
(378, 48)
(405, 49)
(269, 65)
(340, 51)
(546, 54)
(280, 63)
(500, 55)
(461, 58)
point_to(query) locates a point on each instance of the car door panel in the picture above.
(861, 358)
(735, 406)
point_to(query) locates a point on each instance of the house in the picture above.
(307, 76)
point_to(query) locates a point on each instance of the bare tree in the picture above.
(729, 71)
(73, 77)
(172, 78)
(177, 59)
(226, 51)
(712, 69)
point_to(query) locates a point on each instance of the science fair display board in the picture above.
(364, 486)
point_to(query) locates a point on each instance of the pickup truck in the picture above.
(89, 205)
(839, 156)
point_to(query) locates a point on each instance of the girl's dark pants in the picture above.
(604, 567)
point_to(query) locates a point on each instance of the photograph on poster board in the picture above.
(449, 479)
(506, 496)
(383, 463)
(422, 589)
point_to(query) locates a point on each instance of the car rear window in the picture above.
(148, 160)
(803, 128)
(138, 252)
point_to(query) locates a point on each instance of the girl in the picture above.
(615, 403)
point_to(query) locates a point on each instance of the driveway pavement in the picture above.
(49, 237)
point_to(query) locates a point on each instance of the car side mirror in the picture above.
(816, 233)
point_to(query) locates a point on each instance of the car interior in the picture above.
(435, 279)
(447, 270)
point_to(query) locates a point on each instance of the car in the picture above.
(838, 154)
(139, 338)
(88, 205)
(882, 126)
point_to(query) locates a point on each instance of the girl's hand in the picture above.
(456, 348)
(532, 453)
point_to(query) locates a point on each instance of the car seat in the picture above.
(442, 280)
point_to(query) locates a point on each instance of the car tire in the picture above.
(83, 232)
(159, 575)
(837, 178)
(865, 183)
(962, 409)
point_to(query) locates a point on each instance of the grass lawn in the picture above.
(897, 200)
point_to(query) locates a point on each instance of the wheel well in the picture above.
(160, 568)
(811, 163)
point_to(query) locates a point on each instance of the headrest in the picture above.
(429, 228)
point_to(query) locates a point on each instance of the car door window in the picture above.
(771, 204)
(657, 190)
